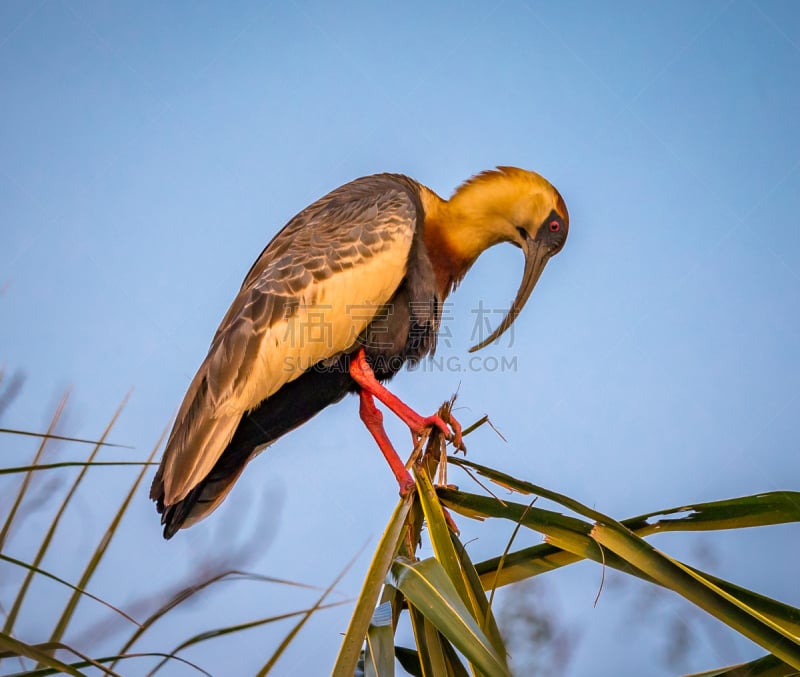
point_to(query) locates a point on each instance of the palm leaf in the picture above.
(427, 586)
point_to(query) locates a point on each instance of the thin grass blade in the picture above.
(23, 488)
(231, 629)
(47, 574)
(71, 464)
(264, 671)
(61, 438)
(98, 662)
(100, 550)
(51, 531)
(17, 648)
(188, 592)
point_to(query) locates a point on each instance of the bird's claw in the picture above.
(457, 439)
(451, 431)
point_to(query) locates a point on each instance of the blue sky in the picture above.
(148, 152)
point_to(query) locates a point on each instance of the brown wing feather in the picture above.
(348, 248)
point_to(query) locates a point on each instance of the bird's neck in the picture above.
(455, 235)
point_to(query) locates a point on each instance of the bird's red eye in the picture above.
(555, 226)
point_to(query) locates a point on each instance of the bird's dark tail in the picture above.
(294, 404)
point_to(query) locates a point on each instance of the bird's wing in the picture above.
(309, 295)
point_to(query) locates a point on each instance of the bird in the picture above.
(344, 295)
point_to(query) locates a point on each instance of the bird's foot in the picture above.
(451, 430)
(457, 439)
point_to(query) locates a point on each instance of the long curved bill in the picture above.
(536, 258)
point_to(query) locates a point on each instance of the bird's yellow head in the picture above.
(503, 202)
(506, 204)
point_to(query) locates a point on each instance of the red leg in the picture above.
(363, 375)
(373, 419)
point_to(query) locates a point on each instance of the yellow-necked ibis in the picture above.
(350, 289)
